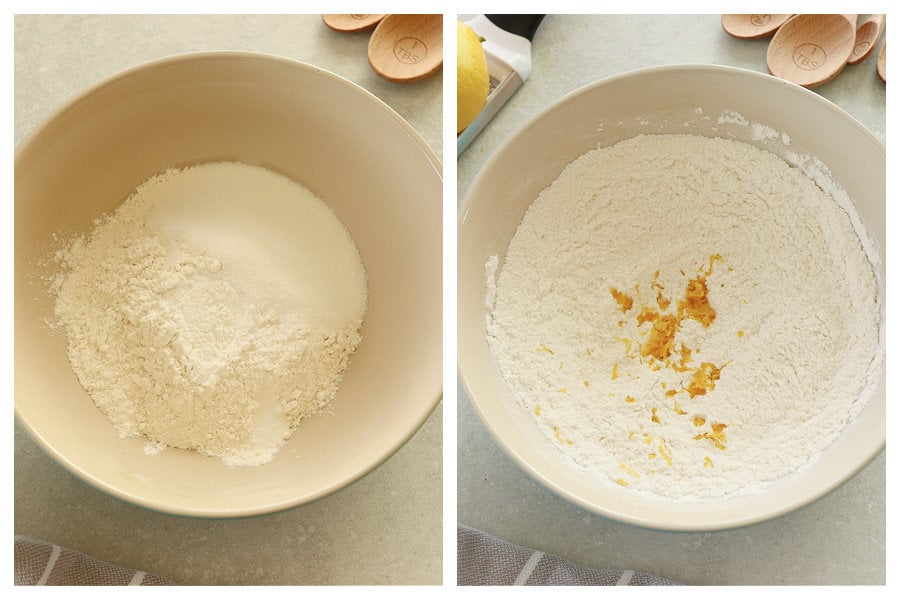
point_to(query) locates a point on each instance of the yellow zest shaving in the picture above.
(665, 452)
(560, 437)
(716, 435)
(624, 301)
(662, 337)
(629, 470)
(696, 303)
(704, 379)
(712, 259)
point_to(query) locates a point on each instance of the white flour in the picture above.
(216, 308)
(686, 316)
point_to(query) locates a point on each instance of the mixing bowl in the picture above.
(713, 101)
(346, 146)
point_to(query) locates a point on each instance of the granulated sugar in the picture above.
(215, 309)
(687, 317)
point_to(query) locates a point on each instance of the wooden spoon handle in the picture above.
(352, 22)
(751, 27)
(882, 63)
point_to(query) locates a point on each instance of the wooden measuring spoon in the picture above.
(881, 65)
(867, 37)
(407, 48)
(751, 27)
(812, 49)
(352, 22)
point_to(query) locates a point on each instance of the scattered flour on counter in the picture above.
(687, 317)
(216, 308)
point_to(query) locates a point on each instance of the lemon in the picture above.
(472, 81)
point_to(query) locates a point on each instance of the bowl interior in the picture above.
(705, 100)
(308, 124)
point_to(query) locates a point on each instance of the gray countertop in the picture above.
(838, 540)
(385, 528)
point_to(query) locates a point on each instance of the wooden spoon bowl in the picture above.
(812, 49)
(407, 48)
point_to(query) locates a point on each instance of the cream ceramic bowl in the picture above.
(677, 99)
(349, 148)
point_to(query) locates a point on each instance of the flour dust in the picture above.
(213, 310)
(687, 317)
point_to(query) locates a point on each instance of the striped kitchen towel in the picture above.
(40, 563)
(483, 559)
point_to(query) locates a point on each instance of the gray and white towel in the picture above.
(483, 559)
(41, 563)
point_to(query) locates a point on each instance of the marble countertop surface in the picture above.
(838, 540)
(384, 529)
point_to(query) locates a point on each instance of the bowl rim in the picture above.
(547, 481)
(217, 55)
(171, 508)
(642, 72)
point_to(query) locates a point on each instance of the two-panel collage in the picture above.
(444, 300)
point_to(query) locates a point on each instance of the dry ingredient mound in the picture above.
(213, 310)
(687, 317)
